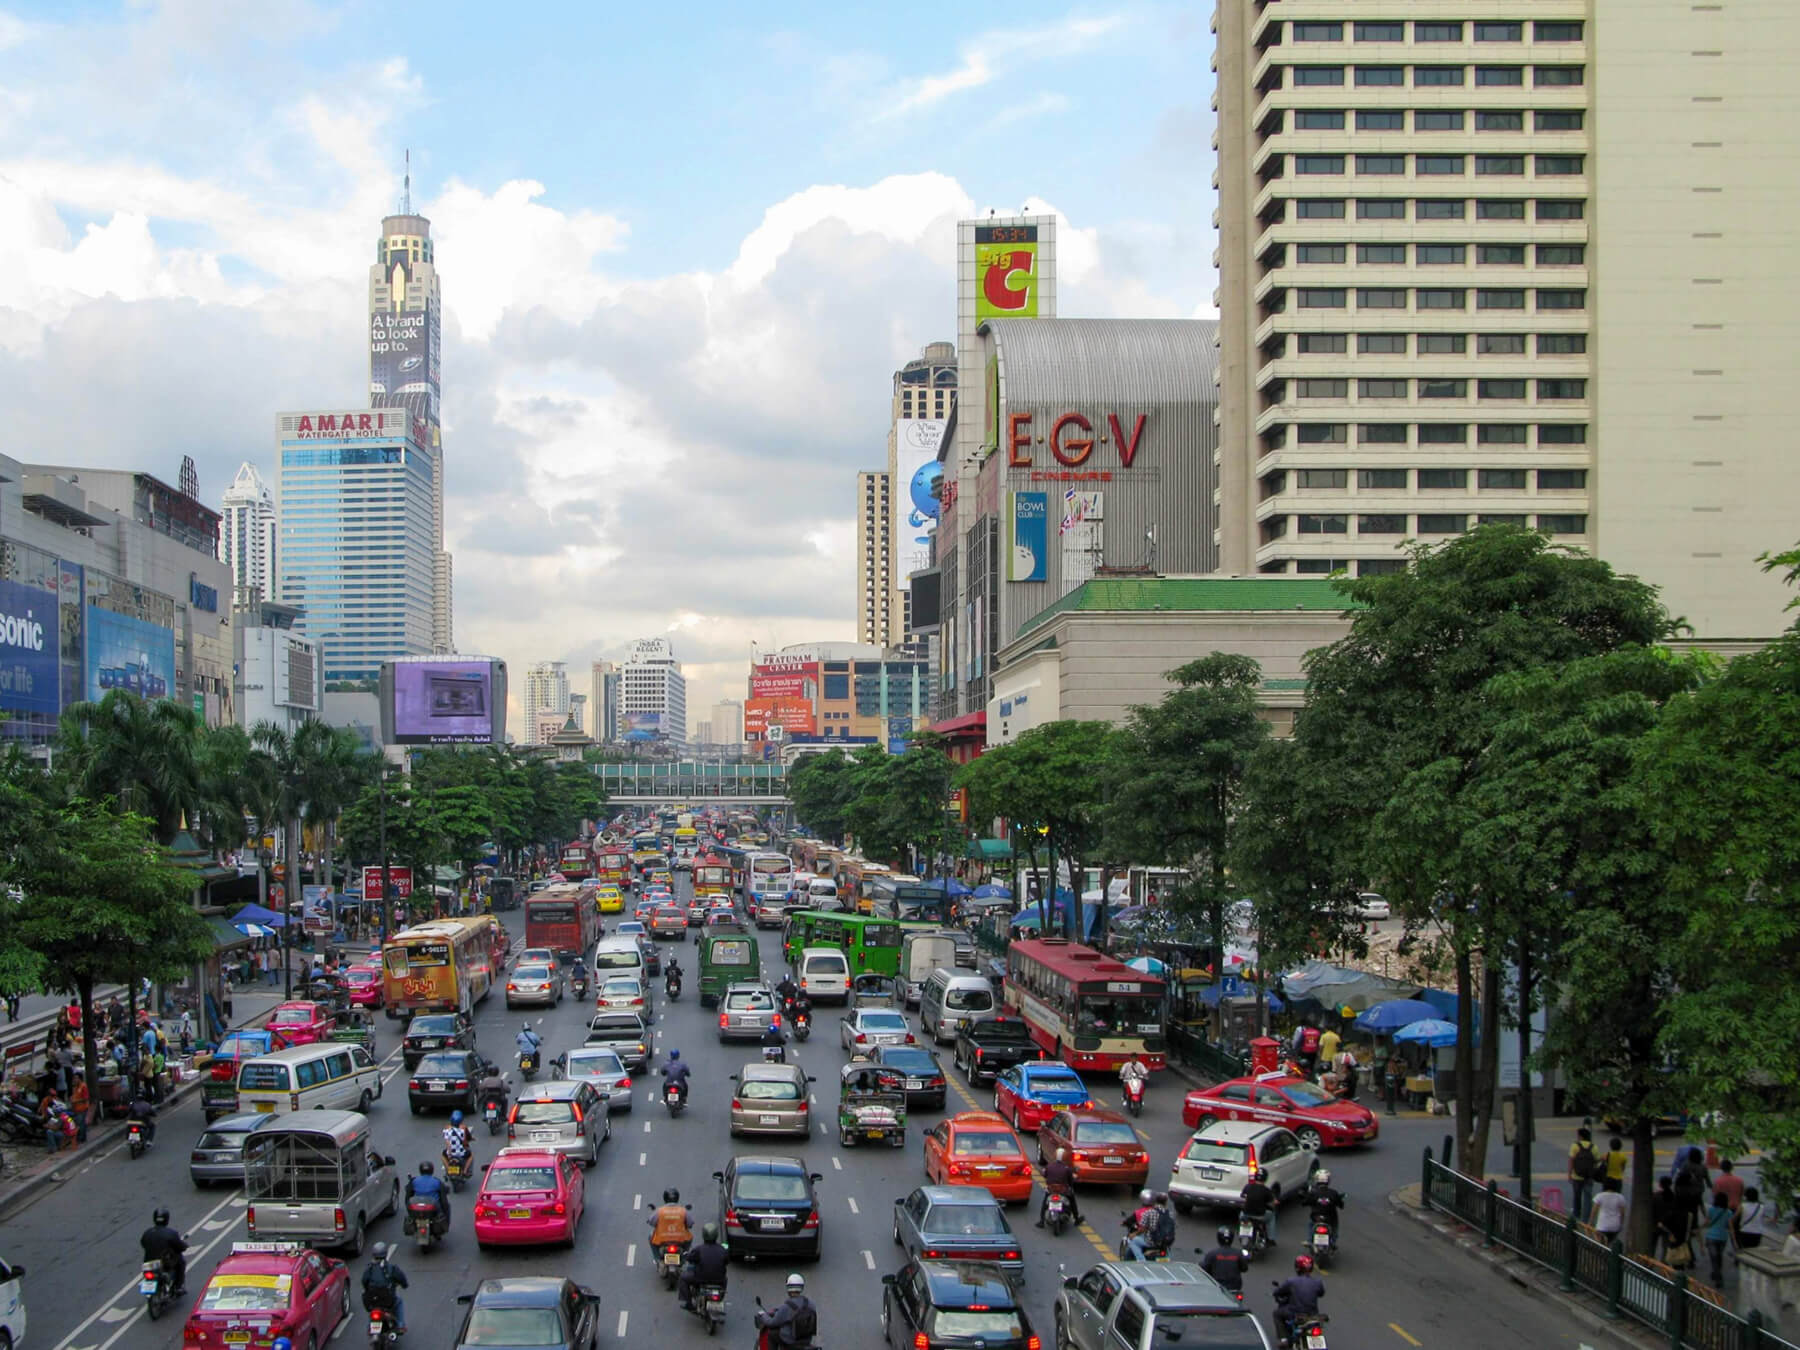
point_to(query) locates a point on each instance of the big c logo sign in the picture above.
(1006, 272)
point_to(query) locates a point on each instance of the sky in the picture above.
(682, 252)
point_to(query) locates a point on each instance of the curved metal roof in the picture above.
(1137, 361)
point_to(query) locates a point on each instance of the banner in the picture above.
(1028, 559)
(315, 908)
(1006, 272)
(784, 679)
(401, 877)
(28, 647)
(913, 493)
(789, 714)
(130, 654)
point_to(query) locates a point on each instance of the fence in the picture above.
(1686, 1314)
(1192, 1048)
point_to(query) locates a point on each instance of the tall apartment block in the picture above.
(923, 402)
(874, 556)
(1521, 260)
(546, 693)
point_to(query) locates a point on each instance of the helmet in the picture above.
(1062, 1155)
(1303, 1264)
(281, 1343)
(709, 1232)
(1322, 1177)
(160, 1218)
(456, 1117)
(674, 1055)
(1146, 1197)
(671, 1196)
(796, 1283)
(379, 1252)
(525, 1026)
(426, 1168)
(1225, 1235)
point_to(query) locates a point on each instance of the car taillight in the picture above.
(955, 1169)
(413, 1083)
(860, 1038)
(909, 1038)
(775, 1019)
(625, 1082)
(1033, 1343)
(804, 1108)
(225, 1072)
(731, 1218)
(512, 1115)
(558, 1208)
(920, 1342)
(486, 1212)
(932, 1253)
(1255, 1167)
(462, 1083)
(1012, 1255)
(511, 988)
(576, 1108)
(250, 1218)
(337, 1219)
(980, 1054)
(724, 1021)
(812, 1220)
(1023, 1169)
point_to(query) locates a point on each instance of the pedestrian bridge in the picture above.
(671, 783)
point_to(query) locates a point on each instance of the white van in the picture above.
(825, 974)
(619, 955)
(920, 954)
(951, 1000)
(821, 888)
(323, 1076)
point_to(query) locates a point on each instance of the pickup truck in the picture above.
(1140, 1305)
(985, 1050)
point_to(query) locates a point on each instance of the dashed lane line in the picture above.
(837, 1163)
(869, 1258)
(853, 1208)
(624, 1321)
(631, 1256)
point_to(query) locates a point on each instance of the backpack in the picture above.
(1586, 1163)
(1162, 1231)
(805, 1325)
(1690, 1184)
(1309, 1041)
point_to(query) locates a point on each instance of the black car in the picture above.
(985, 1050)
(435, 1031)
(536, 1310)
(652, 955)
(953, 1303)
(447, 1079)
(915, 1071)
(768, 1207)
(624, 1033)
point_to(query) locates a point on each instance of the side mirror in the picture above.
(465, 1298)
(887, 1279)
(815, 1176)
(1069, 1282)
(718, 1176)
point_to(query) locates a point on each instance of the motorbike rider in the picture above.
(787, 991)
(1297, 1297)
(772, 1036)
(165, 1246)
(1325, 1202)
(578, 972)
(459, 1139)
(1258, 1203)
(669, 1226)
(676, 1071)
(794, 1322)
(528, 1040)
(428, 1186)
(492, 1083)
(672, 976)
(1226, 1262)
(382, 1282)
(1134, 1069)
(144, 1112)
(1059, 1176)
(707, 1264)
(1148, 1229)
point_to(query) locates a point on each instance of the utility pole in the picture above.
(381, 847)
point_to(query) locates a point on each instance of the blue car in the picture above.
(1029, 1094)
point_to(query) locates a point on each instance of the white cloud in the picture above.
(994, 54)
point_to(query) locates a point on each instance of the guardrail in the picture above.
(1202, 1056)
(1689, 1315)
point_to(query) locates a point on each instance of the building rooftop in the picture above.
(1178, 594)
(1128, 361)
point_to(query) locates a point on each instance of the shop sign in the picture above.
(1071, 440)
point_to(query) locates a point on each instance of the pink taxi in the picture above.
(364, 985)
(529, 1195)
(302, 1022)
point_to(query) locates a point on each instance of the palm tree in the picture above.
(342, 771)
(140, 755)
(289, 777)
(224, 786)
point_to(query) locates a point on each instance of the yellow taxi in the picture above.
(610, 899)
(662, 876)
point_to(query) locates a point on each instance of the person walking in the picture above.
(1692, 1185)
(1754, 1220)
(1608, 1216)
(1585, 1168)
(1617, 1160)
(1665, 1216)
(1729, 1182)
(1718, 1237)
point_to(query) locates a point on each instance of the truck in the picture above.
(985, 1050)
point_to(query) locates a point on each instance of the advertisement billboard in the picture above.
(28, 648)
(400, 359)
(443, 702)
(642, 726)
(1028, 520)
(774, 678)
(1083, 536)
(915, 504)
(401, 877)
(791, 715)
(1006, 272)
(128, 653)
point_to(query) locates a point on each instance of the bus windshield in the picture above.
(1119, 1014)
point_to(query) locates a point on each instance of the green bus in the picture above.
(728, 955)
(871, 944)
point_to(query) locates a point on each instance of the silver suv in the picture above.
(1222, 1155)
(746, 1012)
(1144, 1305)
(565, 1116)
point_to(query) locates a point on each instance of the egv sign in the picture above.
(1072, 439)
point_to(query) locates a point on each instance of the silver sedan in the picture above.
(601, 1067)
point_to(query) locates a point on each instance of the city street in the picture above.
(1393, 1285)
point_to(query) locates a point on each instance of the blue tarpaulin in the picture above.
(259, 914)
(993, 891)
(1395, 1013)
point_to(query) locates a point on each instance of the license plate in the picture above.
(543, 1136)
(237, 1338)
(1315, 1340)
(374, 1328)
(432, 1044)
(1112, 1162)
(518, 1214)
(876, 1134)
(265, 1108)
(914, 1084)
(774, 1225)
(991, 1171)
(1213, 1173)
(674, 1258)
(768, 1120)
(147, 1286)
(437, 1087)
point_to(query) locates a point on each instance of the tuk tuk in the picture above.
(219, 1094)
(355, 1028)
(331, 991)
(866, 1110)
(873, 991)
(316, 1177)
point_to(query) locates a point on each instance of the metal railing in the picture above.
(1201, 1055)
(1688, 1315)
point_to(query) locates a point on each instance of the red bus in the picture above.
(1082, 1006)
(562, 919)
(576, 862)
(612, 865)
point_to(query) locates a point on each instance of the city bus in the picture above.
(712, 877)
(737, 859)
(853, 878)
(1082, 1006)
(576, 862)
(445, 965)
(644, 846)
(684, 845)
(896, 896)
(612, 865)
(564, 919)
(768, 874)
(871, 945)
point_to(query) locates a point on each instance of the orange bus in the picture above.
(712, 877)
(612, 865)
(446, 965)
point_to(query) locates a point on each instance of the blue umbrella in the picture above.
(993, 891)
(1432, 1031)
(1394, 1014)
(1147, 965)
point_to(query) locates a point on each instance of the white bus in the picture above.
(768, 874)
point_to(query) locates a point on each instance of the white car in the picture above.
(624, 993)
(1221, 1156)
(12, 1304)
(1370, 905)
(873, 1026)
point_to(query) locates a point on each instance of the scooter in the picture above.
(672, 1099)
(1252, 1235)
(774, 1054)
(802, 1025)
(425, 1221)
(581, 987)
(1056, 1213)
(1306, 1332)
(528, 1064)
(384, 1328)
(1322, 1244)
(1134, 1095)
(672, 987)
(458, 1170)
(1152, 1251)
(709, 1307)
(137, 1138)
(154, 1284)
(493, 1109)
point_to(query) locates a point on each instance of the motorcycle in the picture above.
(1056, 1213)
(581, 987)
(709, 1307)
(1252, 1235)
(425, 1221)
(458, 1170)
(493, 1109)
(1322, 1244)
(1134, 1095)
(154, 1284)
(384, 1329)
(137, 1138)
(774, 1054)
(669, 1265)
(672, 987)
(1152, 1251)
(528, 1064)
(1303, 1332)
(802, 1025)
(672, 1099)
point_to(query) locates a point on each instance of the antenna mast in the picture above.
(406, 189)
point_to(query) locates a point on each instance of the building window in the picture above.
(1561, 255)
(1379, 208)
(1443, 480)
(1492, 299)
(1310, 298)
(1381, 433)
(1323, 524)
(1317, 119)
(1381, 344)
(1443, 433)
(1500, 255)
(1561, 344)
(1322, 433)
(1381, 32)
(1553, 30)
(1321, 388)
(1319, 253)
(1381, 388)
(1560, 166)
(1318, 164)
(1562, 524)
(1322, 567)
(1381, 524)
(1437, 77)
(1500, 480)
(1381, 480)
(1499, 32)
(1560, 390)
(1438, 121)
(1561, 210)
(1499, 121)
(1442, 255)
(1505, 518)
(1437, 32)
(1439, 298)
(1380, 120)
(1380, 567)
(1442, 344)
(1323, 344)
(1499, 210)
(1318, 208)
(1380, 166)
(1314, 76)
(1500, 166)
(1316, 32)
(1500, 433)
(1562, 433)
(1442, 524)
(1321, 478)
(1380, 77)
(1500, 389)
(1558, 77)
(1562, 480)
(1380, 298)
(1552, 299)
(1499, 344)
(1427, 208)
(1443, 389)
(1562, 119)
(1438, 166)
(1381, 253)
(1500, 77)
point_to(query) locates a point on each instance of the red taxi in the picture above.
(364, 985)
(529, 1195)
(1317, 1119)
(302, 1022)
(267, 1289)
(978, 1148)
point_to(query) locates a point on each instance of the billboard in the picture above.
(28, 649)
(1006, 272)
(1028, 527)
(791, 715)
(776, 678)
(642, 726)
(443, 702)
(400, 357)
(128, 653)
(917, 473)
(1083, 536)
(401, 877)
(350, 424)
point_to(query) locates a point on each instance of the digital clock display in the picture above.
(1006, 234)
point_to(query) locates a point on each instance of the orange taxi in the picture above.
(1103, 1147)
(978, 1148)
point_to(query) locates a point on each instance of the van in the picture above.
(729, 954)
(619, 955)
(328, 1076)
(821, 888)
(951, 1000)
(920, 954)
(825, 974)
(317, 1178)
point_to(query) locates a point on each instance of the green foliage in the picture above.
(822, 788)
(141, 755)
(902, 801)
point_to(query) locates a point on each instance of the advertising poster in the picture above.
(642, 726)
(915, 505)
(793, 715)
(400, 354)
(71, 604)
(129, 654)
(1028, 559)
(1006, 272)
(315, 908)
(443, 702)
(28, 648)
(1083, 536)
(785, 679)
(400, 877)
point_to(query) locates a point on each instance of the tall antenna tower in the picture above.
(406, 186)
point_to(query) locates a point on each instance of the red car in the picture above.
(1102, 1145)
(530, 1195)
(364, 984)
(269, 1289)
(1317, 1119)
(302, 1022)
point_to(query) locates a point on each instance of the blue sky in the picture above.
(682, 249)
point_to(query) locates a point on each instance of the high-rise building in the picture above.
(652, 695)
(924, 401)
(546, 692)
(355, 511)
(703, 732)
(603, 697)
(247, 536)
(727, 720)
(874, 555)
(277, 675)
(1509, 268)
(405, 349)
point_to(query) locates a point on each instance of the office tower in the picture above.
(247, 536)
(546, 691)
(1479, 268)
(603, 696)
(652, 695)
(924, 399)
(355, 502)
(727, 720)
(874, 555)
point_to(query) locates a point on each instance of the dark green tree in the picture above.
(821, 788)
(140, 755)
(902, 803)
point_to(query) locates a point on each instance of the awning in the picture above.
(990, 850)
(225, 933)
(254, 930)
(268, 918)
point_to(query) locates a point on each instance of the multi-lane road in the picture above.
(1393, 1285)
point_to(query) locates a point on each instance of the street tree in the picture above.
(139, 754)
(902, 802)
(821, 788)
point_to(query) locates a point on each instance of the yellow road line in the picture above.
(1401, 1332)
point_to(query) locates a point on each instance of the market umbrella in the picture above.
(253, 913)
(993, 891)
(1394, 1014)
(1148, 965)
(255, 930)
(1432, 1031)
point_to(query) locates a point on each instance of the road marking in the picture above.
(853, 1208)
(214, 1225)
(1400, 1331)
(1099, 1243)
(624, 1321)
(631, 1255)
(637, 1201)
(646, 1127)
(837, 1164)
(869, 1258)
(112, 1315)
(643, 1159)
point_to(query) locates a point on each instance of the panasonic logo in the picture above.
(26, 632)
